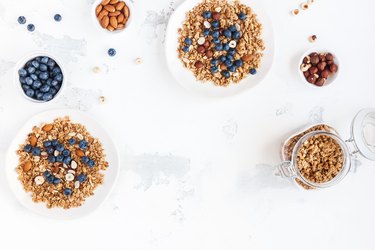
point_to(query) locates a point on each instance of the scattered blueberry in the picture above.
(59, 147)
(37, 84)
(111, 52)
(50, 179)
(228, 63)
(214, 61)
(67, 160)
(215, 34)
(67, 191)
(207, 14)
(242, 16)
(225, 73)
(236, 35)
(219, 47)
(44, 76)
(232, 68)
(29, 81)
(215, 24)
(91, 163)
(35, 151)
(57, 17)
(58, 77)
(51, 63)
(185, 49)
(31, 27)
(223, 58)
(54, 83)
(206, 32)
(21, 20)
(54, 142)
(56, 181)
(47, 97)
(81, 178)
(227, 33)
(232, 51)
(47, 144)
(232, 28)
(65, 152)
(45, 59)
(46, 174)
(238, 63)
(50, 150)
(71, 141)
(216, 40)
(51, 159)
(25, 87)
(27, 148)
(214, 69)
(31, 70)
(22, 80)
(226, 47)
(35, 64)
(85, 159)
(188, 41)
(253, 71)
(43, 67)
(59, 158)
(229, 57)
(34, 77)
(83, 144)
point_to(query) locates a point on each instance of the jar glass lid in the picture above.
(363, 133)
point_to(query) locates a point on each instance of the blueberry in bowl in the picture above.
(40, 78)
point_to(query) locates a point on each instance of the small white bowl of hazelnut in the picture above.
(318, 67)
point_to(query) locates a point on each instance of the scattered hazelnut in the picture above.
(325, 73)
(101, 99)
(295, 12)
(304, 6)
(310, 1)
(329, 57)
(313, 38)
(322, 66)
(333, 68)
(320, 82)
(198, 64)
(314, 59)
(223, 67)
(206, 44)
(96, 69)
(306, 74)
(311, 79)
(313, 70)
(322, 57)
(209, 53)
(216, 16)
(329, 62)
(201, 49)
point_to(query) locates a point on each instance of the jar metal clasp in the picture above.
(285, 170)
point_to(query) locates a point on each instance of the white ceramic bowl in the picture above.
(331, 78)
(105, 31)
(100, 193)
(21, 63)
(186, 78)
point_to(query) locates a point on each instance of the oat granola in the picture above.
(61, 163)
(221, 42)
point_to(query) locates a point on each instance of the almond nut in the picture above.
(102, 14)
(32, 140)
(98, 9)
(105, 2)
(116, 13)
(47, 127)
(120, 26)
(109, 8)
(110, 28)
(120, 18)
(80, 153)
(104, 22)
(120, 5)
(27, 166)
(126, 11)
(113, 22)
(113, 1)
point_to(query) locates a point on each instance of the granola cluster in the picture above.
(61, 163)
(221, 42)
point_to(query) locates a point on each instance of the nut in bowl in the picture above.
(112, 16)
(40, 77)
(318, 67)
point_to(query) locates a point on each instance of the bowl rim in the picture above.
(318, 49)
(22, 63)
(115, 32)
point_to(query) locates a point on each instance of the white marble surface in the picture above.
(196, 173)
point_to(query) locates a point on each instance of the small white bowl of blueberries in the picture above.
(40, 77)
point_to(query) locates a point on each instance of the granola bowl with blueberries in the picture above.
(58, 167)
(219, 47)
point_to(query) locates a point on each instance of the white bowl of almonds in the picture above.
(112, 16)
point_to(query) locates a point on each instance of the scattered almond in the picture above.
(47, 127)
(27, 166)
(33, 140)
(80, 153)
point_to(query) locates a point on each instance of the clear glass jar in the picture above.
(362, 142)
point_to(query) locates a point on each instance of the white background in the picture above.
(196, 173)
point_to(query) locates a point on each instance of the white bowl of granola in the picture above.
(191, 64)
(68, 179)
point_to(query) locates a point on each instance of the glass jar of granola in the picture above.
(317, 157)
